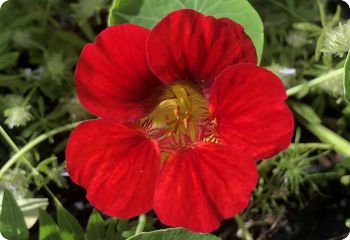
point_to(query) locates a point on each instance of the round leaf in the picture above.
(148, 12)
(173, 234)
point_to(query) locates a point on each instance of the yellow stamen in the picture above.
(180, 108)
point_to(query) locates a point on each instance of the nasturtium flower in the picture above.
(184, 113)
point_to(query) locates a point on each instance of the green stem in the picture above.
(16, 149)
(8, 139)
(323, 176)
(32, 144)
(322, 13)
(47, 189)
(329, 76)
(326, 135)
(110, 12)
(307, 117)
(141, 225)
(29, 96)
(58, 202)
(324, 146)
(242, 226)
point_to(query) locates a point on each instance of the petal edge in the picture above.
(112, 77)
(116, 164)
(248, 105)
(186, 45)
(199, 187)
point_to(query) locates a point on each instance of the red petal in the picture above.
(248, 105)
(117, 165)
(200, 186)
(112, 77)
(186, 45)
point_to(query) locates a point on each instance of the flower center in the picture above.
(182, 110)
(180, 106)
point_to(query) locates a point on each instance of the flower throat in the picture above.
(182, 111)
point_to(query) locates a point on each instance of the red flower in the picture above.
(185, 112)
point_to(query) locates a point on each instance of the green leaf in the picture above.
(26, 19)
(8, 59)
(148, 12)
(112, 230)
(85, 9)
(48, 228)
(69, 226)
(70, 38)
(346, 162)
(173, 234)
(4, 41)
(12, 225)
(95, 228)
(30, 209)
(11, 81)
(347, 79)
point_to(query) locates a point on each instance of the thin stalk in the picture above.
(58, 202)
(294, 90)
(322, 13)
(323, 146)
(141, 225)
(8, 139)
(242, 226)
(47, 189)
(326, 135)
(325, 175)
(29, 96)
(27, 161)
(32, 144)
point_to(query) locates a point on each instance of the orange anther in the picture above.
(185, 121)
(177, 112)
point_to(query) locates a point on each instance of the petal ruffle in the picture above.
(116, 164)
(112, 78)
(200, 186)
(186, 45)
(247, 103)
